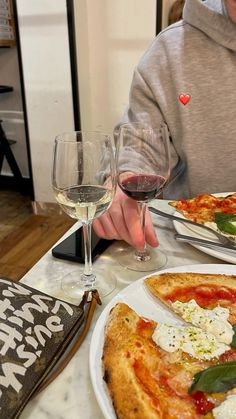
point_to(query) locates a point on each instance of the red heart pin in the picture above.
(184, 98)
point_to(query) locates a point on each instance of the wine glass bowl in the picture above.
(143, 169)
(81, 162)
(141, 187)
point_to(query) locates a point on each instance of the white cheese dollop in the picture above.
(227, 409)
(212, 321)
(192, 340)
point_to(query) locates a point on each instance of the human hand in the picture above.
(122, 222)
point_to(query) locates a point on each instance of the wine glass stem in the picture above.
(142, 255)
(87, 251)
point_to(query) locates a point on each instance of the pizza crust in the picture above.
(128, 399)
(166, 283)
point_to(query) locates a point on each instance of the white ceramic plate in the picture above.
(137, 297)
(193, 231)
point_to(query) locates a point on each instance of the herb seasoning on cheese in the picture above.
(192, 340)
(212, 321)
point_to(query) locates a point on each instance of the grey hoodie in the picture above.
(196, 56)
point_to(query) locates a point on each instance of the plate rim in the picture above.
(97, 341)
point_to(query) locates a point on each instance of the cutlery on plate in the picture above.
(223, 239)
(203, 242)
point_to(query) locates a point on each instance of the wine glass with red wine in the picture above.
(143, 169)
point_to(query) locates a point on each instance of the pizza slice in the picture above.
(208, 289)
(164, 371)
(143, 380)
(203, 207)
(147, 380)
(207, 301)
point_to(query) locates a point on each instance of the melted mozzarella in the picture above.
(192, 340)
(212, 321)
(227, 409)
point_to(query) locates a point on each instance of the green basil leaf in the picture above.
(216, 379)
(233, 343)
(226, 227)
(223, 216)
(224, 222)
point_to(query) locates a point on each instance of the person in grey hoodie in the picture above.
(187, 78)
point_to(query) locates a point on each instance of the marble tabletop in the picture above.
(71, 394)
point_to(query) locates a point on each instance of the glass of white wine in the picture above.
(81, 163)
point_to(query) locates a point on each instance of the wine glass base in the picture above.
(126, 258)
(73, 285)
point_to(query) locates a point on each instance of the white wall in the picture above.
(111, 37)
(166, 5)
(47, 77)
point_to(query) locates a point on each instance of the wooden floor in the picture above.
(25, 237)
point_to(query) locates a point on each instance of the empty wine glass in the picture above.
(143, 168)
(81, 162)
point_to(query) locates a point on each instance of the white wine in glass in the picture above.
(81, 163)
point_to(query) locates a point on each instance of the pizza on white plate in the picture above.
(217, 212)
(186, 371)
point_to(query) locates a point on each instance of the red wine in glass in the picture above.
(142, 187)
(143, 168)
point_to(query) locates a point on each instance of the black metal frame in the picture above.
(5, 152)
(73, 63)
(28, 183)
(158, 16)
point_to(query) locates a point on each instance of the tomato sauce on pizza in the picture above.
(205, 295)
(202, 208)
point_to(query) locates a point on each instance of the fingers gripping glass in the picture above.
(143, 167)
(80, 161)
